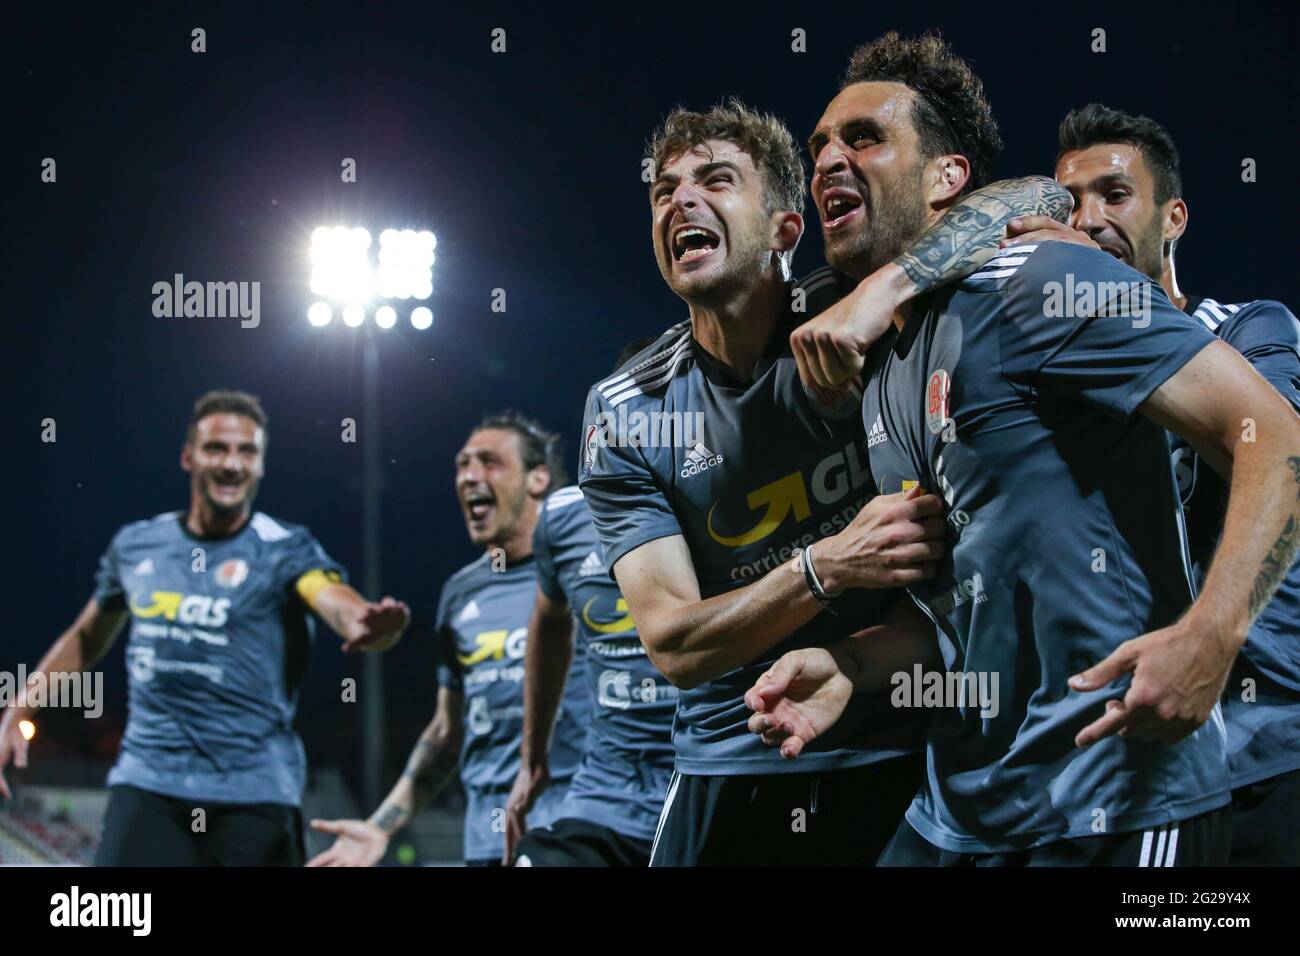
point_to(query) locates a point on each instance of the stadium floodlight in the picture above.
(405, 264)
(341, 265)
(345, 277)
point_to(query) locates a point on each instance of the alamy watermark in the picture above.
(209, 300)
(922, 688)
(74, 690)
(1086, 298)
(624, 429)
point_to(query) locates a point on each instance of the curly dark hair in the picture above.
(762, 136)
(225, 401)
(1096, 123)
(537, 446)
(950, 112)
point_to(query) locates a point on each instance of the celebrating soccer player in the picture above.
(614, 800)
(1123, 172)
(708, 529)
(217, 597)
(505, 470)
(1034, 395)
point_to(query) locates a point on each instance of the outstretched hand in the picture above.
(798, 699)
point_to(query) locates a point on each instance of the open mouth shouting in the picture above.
(692, 242)
(479, 507)
(227, 487)
(839, 206)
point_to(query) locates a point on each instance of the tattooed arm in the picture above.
(432, 764)
(1239, 424)
(830, 349)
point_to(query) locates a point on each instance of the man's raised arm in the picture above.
(830, 348)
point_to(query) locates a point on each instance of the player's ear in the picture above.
(1175, 220)
(187, 457)
(786, 227)
(948, 176)
(539, 479)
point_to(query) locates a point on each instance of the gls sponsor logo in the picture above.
(835, 477)
(496, 645)
(184, 609)
(619, 625)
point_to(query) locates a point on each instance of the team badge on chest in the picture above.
(936, 400)
(232, 573)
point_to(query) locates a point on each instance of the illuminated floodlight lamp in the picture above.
(421, 318)
(353, 315)
(319, 314)
(341, 265)
(385, 317)
(405, 264)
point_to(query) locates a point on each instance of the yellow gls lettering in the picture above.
(910, 483)
(781, 497)
(613, 627)
(165, 603)
(490, 644)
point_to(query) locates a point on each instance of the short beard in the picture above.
(1149, 249)
(747, 259)
(895, 220)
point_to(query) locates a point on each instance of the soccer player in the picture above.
(1035, 395)
(1123, 172)
(218, 600)
(504, 472)
(707, 467)
(614, 800)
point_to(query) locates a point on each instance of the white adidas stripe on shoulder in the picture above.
(656, 360)
(658, 371)
(1214, 313)
(268, 529)
(563, 497)
(1005, 263)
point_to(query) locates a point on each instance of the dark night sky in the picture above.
(527, 166)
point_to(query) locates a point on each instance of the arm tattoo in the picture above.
(388, 817)
(1277, 562)
(968, 234)
(430, 767)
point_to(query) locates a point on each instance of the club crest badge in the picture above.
(232, 573)
(937, 400)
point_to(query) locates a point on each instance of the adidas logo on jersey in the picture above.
(143, 568)
(698, 459)
(877, 435)
(469, 612)
(591, 566)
